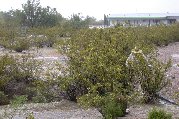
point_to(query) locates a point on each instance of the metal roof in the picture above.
(143, 15)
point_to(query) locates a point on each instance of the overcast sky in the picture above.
(98, 8)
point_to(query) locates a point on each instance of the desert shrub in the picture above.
(52, 34)
(96, 64)
(42, 91)
(147, 73)
(17, 44)
(3, 98)
(114, 107)
(112, 110)
(39, 99)
(111, 106)
(7, 64)
(160, 35)
(18, 100)
(30, 116)
(40, 41)
(44, 36)
(159, 114)
(16, 74)
(20, 45)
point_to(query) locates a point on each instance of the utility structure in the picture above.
(141, 19)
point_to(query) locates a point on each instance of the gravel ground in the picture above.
(141, 111)
(56, 110)
(171, 52)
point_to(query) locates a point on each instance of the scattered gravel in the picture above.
(141, 111)
(55, 110)
(171, 52)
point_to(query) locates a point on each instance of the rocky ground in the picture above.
(171, 52)
(56, 110)
(69, 110)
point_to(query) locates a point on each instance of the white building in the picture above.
(141, 19)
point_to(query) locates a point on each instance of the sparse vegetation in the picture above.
(159, 114)
(97, 66)
(98, 71)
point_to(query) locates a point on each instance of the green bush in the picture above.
(97, 63)
(39, 99)
(18, 100)
(147, 73)
(159, 114)
(113, 108)
(30, 116)
(3, 99)
(20, 45)
(20, 76)
(17, 44)
(42, 91)
(17, 73)
(39, 42)
(7, 63)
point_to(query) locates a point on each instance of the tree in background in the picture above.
(14, 17)
(78, 22)
(30, 10)
(36, 16)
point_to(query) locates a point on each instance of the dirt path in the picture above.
(56, 110)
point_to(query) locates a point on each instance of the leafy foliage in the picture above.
(147, 73)
(30, 116)
(16, 74)
(18, 100)
(20, 45)
(97, 64)
(159, 114)
(35, 15)
(3, 98)
(114, 107)
(42, 91)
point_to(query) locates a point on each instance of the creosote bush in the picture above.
(16, 74)
(114, 107)
(97, 63)
(20, 44)
(17, 44)
(147, 73)
(20, 75)
(159, 114)
(42, 91)
(3, 99)
(18, 100)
